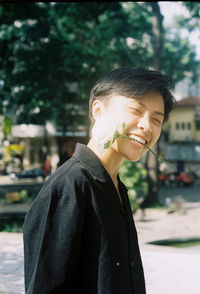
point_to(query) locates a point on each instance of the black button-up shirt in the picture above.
(78, 238)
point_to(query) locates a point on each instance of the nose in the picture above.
(144, 123)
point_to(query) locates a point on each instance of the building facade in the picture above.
(180, 143)
(42, 141)
(184, 122)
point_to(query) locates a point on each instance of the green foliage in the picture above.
(51, 53)
(49, 46)
(194, 8)
(6, 126)
(178, 51)
(11, 225)
(133, 175)
(24, 195)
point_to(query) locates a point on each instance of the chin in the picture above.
(133, 158)
(129, 152)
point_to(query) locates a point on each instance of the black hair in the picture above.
(133, 82)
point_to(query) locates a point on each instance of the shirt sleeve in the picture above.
(52, 238)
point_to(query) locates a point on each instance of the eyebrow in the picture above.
(155, 112)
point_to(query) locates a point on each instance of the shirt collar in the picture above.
(91, 161)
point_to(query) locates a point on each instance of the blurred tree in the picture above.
(6, 127)
(136, 185)
(151, 161)
(176, 46)
(51, 53)
(194, 8)
(54, 52)
(167, 47)
(157, 26)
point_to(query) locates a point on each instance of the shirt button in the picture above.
(132, 263)
(117, 263)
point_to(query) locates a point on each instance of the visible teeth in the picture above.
(137, 139)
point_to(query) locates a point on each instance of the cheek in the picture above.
(121, 117)
(130, 121)
(156, 135)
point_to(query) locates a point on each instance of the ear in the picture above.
(98, 109)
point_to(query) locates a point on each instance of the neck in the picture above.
(110, 159)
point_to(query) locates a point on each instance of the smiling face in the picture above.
(143, 117)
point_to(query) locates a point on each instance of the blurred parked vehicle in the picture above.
(34, 173)
(176, 179)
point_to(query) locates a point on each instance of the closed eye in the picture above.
(135, 110)
(157, 121)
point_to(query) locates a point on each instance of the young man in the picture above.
(79, 235)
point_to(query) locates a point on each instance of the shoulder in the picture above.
(66, 187)
(71, 176)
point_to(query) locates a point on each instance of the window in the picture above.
(177, 126)
(198, 124)
(184, 125)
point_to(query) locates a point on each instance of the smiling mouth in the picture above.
(138, 139)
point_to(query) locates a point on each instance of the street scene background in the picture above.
(51, 54)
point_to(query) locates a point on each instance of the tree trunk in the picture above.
(157, 20)
(151, 161)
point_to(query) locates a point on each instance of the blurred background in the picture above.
(51, 54)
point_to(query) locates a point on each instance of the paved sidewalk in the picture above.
(170, 270)
(167, 270)
(11, 264)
